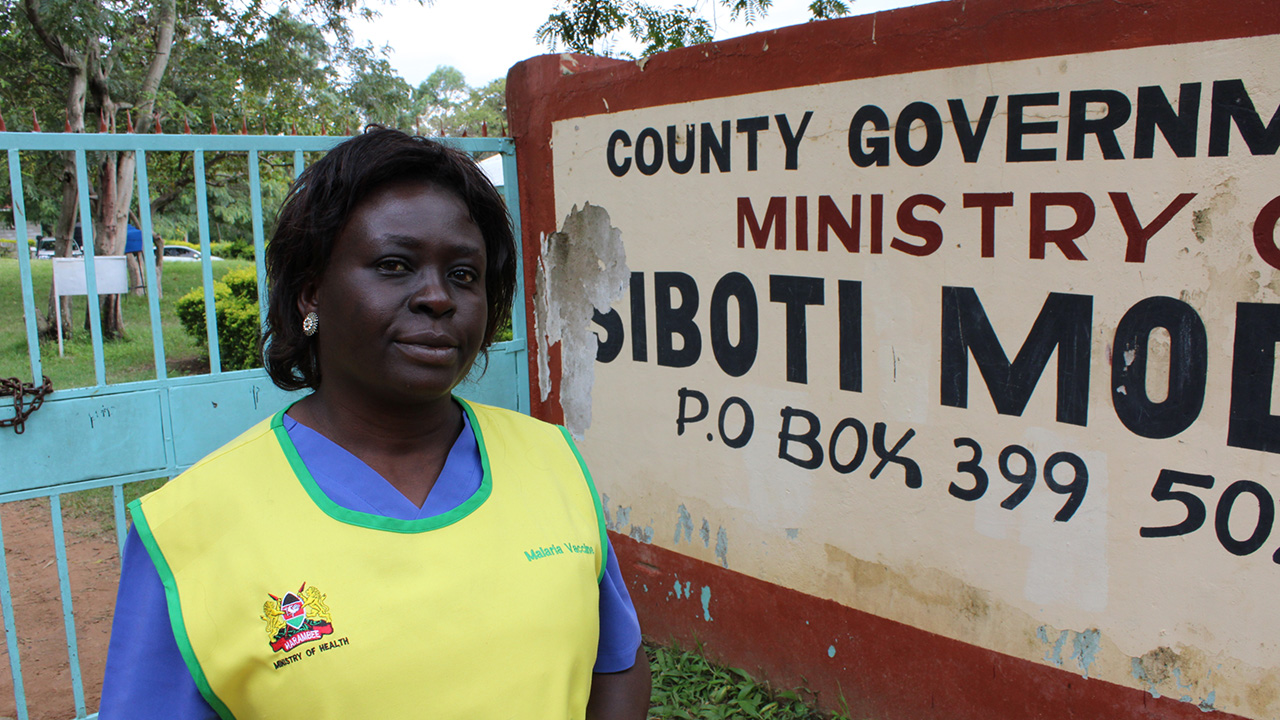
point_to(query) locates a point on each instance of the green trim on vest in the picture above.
(595, 496)
(175, 611)
(378, 522)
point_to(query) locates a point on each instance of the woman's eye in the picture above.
(466, 275)
(392, 265)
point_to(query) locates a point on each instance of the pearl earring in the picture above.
(310, 324)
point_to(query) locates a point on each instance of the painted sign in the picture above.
(987, 350)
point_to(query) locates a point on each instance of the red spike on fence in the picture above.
(324, 128)
(464, 133)
(293, 129)
(264, 126)
(484, 129)
(346, 129)
(213, 125)
(67, 118)
(102, 121)
(244, 126)
(35, 122)
(156, 117)
(128, 121)
(186, 127)
(2, 126)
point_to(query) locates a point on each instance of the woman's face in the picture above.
(402, 303)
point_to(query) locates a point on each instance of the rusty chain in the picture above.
(18, 390)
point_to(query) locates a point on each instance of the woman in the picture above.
(379, 548)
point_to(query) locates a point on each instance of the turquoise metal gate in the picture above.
(110, 435)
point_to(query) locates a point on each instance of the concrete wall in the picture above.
(929, 356)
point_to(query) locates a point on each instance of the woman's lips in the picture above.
(430, 352)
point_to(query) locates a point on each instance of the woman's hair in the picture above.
(321, 202)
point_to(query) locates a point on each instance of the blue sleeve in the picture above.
(146, 678)
(619, 627)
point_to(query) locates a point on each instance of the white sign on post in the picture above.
(70, 278)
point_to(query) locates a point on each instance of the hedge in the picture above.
(235, 301)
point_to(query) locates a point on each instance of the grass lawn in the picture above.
(128, 359)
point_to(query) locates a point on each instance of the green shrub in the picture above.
(236, 250)
(243, 283)
(235, 301)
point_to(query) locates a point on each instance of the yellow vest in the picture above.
(285, 605)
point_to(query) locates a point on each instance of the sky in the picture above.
(484, 38)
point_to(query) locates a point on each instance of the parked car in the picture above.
(44, 249)
(182, 253)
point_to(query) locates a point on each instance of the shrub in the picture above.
(236, 250)
(243, 283)
(235, 302)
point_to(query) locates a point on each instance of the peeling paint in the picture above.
(643, 534)
(1140, 674)
(583, 267)
(831, 651)
(705, 533)
(1084, 648)
(1054, 654)
(684, 522)
(624, 518)
(793, 533)
(722, 547)
(706, 603)
(608, 516)
(1165, 672)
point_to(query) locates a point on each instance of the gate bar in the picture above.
(68, 613)
(24, 264)
(11, 634)
(90, 275)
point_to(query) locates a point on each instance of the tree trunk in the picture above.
(137, 278)
(65, 229)
(159, 243)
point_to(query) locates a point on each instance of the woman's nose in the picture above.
(432, 296)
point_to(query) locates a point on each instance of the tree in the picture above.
(114, 57)
(87, 40)
(591, 27)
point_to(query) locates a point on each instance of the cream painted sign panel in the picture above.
(987, 350)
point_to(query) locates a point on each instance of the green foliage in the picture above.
(749, 10)
(591, 26)
(826, 9)
(584, 23)
(234, 250)
(687, 685)
(663, 30)
(235, 301)
(243, 283)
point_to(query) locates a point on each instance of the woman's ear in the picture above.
(308, 298)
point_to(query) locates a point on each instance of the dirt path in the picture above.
(33, 576)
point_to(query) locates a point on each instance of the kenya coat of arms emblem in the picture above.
(296, 618)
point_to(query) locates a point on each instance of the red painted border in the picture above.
(881, 669)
